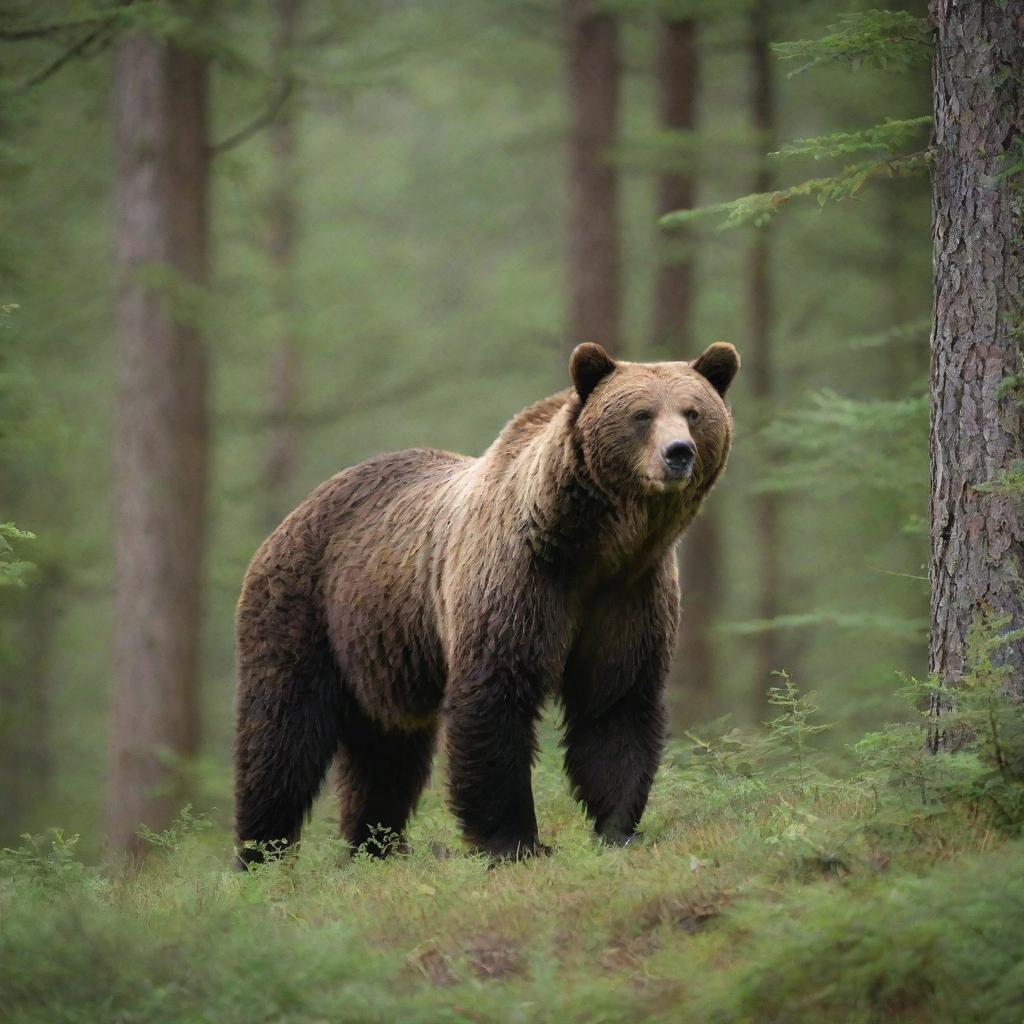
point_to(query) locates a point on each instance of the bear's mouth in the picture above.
(669, 484)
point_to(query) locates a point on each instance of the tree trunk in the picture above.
(593, 272)
(760, 364)
(672, 329)
(677, 78)
(977, 535)
(282, 229)
(161, 442)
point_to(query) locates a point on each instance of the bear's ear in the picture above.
(718, 363)
(589, 364)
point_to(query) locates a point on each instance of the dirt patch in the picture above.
(494, 957)
(690, 916)
(431, 964)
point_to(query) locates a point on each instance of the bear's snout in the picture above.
(678, 457)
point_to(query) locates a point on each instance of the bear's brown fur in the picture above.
(422, 585)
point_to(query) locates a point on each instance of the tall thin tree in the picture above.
(592, 57)
(282, 235)
(977, 425)
(677, 79)
(760, 363)
(161, 434)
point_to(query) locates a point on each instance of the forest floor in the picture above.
(762, 890)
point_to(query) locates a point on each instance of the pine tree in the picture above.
(161, 444)
(977, 429)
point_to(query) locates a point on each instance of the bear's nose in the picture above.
(678, 457)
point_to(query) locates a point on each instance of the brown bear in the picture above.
(421, 585)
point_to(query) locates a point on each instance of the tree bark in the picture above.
(161, 433)
(677, 76)
(282, 233)
(592, 46)
(977, 534)
(760, 364)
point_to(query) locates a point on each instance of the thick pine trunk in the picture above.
(672, 329)
(161, 442)
(592, 43)
(977, 535)
(760, 364)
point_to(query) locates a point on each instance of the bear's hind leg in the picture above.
(381, 774)
(287, 734)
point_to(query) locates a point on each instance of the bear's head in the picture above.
(652, 428)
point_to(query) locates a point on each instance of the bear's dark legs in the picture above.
(287, 735)
(490, 737)
(611, 758)
(381, 775)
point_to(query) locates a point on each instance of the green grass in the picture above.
(758, 893)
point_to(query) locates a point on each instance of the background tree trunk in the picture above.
(760, 364)
(676, 83)
(677, 75)
(160, 113)
(592, 42)
(282, 229)
(977, 536)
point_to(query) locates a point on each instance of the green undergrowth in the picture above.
(767, 887)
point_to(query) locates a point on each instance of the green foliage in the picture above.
(889, 137)
(987, 773)
(843, 444)
(907, 334)
(934, 948)
(759, 208)
(1007, 481)
(869, 623)
(1013, 159)
(185, 826)
(765, 888)
(14, 571)
(889, 40)
(46, 864)
(793, 729)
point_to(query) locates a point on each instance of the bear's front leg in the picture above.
(614, 714)
(612, 755)
(490, 735)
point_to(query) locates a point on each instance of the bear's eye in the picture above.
(691, 415)
(642, 416)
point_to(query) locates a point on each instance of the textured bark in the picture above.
(977, 535)
(592, 44)
(282, 231)
(761, 360)
(160, 113)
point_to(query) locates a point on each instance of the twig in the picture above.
(68, 55)
(17, 35)
(328, 414)
(263, 119)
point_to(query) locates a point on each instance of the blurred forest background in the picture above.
(415, 211)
